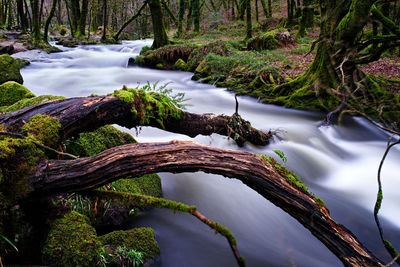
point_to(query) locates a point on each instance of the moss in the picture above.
(11, 92)
(149, 184)
(139, 239)
(292, 178)
(71, 242)
(9, 70)
(149, 108)
(18, 159)
(180, 64)
(44, 129)
(92, 143)
(143, 201)
(264, 41)
(26, 102)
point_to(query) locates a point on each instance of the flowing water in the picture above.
(338, 163)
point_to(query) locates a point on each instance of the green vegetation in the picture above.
(150, 107)
(11, 92)
(71, 242)
(138, 239)
(26, 102)
(9, 69)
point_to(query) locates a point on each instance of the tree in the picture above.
(79, 11)
(48, 20)
(27, 137)
(36, 22)
(160, 36)
(22, 16)
(334, 79)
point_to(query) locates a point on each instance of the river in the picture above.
(338, 163)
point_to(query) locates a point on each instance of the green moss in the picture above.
(292, 178)
(18, 159)
(149, 184)
(44, 129)
(180, 64)
(149, 107)
(139, 239)
(264, 41)
(92, 143)
(11, 92)
(71, 242)
(26, 102)
(9, 70)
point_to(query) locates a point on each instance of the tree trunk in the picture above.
(160, 36)
(57, 176)
(105, 21)
(249, 26)
(22, 16)
(35, 21)
(83, 16)
(196, 16)
(181, 14)
(48, 20)
(307, 17)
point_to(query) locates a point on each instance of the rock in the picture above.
(180, 65)
(71, 242)
(11, 92)
(9, 70)
(7, 49)
(139, 239)
(131, 61)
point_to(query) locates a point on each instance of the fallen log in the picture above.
(57, 176)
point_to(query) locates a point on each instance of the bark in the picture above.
(196, 15)
(35, 21)
(56, 176)
(264, 7)
(82, 114)
(181, 14)
(160, 36)
(105, 21)
(249, 26)
(307, 17)
(22, 16)
(48, 20)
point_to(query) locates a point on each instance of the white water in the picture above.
(338, 163)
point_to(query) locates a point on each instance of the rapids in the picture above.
(338, 163)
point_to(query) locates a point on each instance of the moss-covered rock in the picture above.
(180, 64)
(264, 41)
(71, 242)
(9, 69)
(139, 239)
(11, 92)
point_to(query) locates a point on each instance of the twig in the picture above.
(392, 251)
(393, 261)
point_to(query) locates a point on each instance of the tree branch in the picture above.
(82, 114)
(116, 36)
(56, 176)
